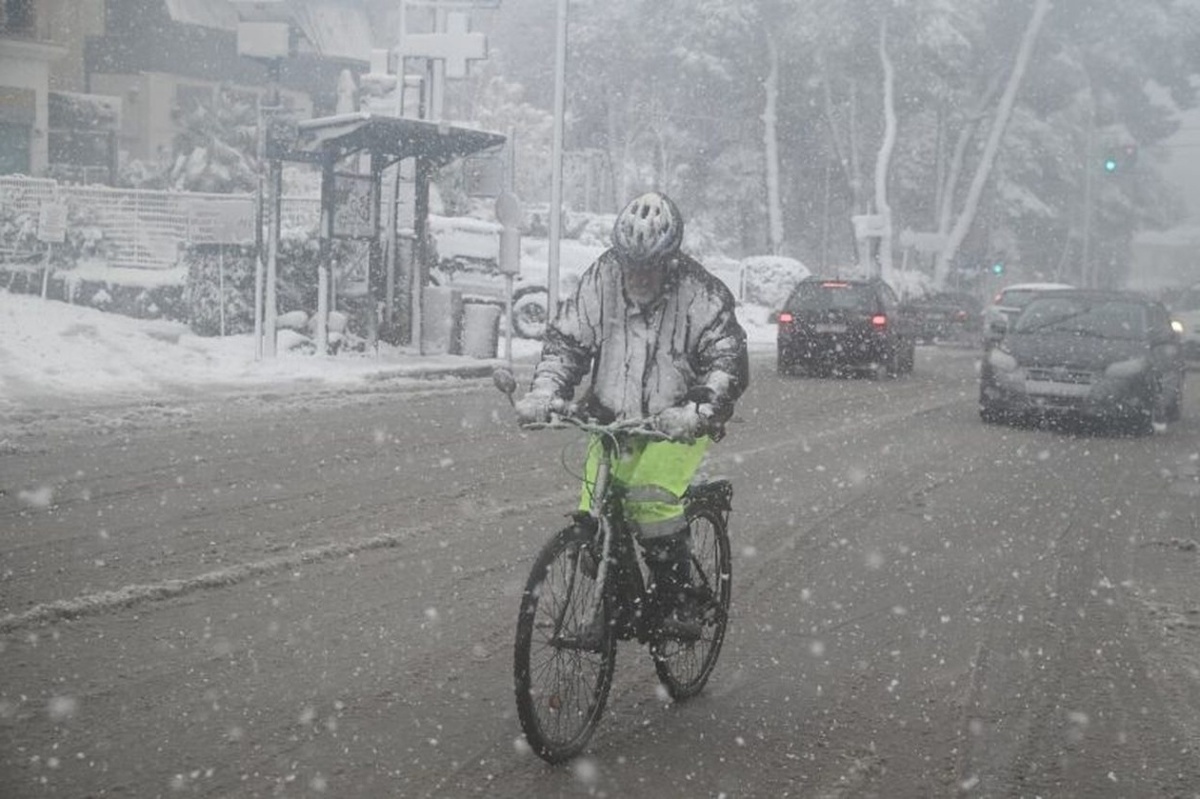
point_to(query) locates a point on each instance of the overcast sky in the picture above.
(1185, 162)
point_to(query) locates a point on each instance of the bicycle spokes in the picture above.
(565, 652)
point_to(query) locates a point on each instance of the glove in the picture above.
(683, 423)
(535, 408)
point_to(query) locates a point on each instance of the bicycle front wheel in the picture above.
(682, 667)
(565, 650)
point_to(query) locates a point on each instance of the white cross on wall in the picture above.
(456, 46)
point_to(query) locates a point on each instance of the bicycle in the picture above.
(588, 589)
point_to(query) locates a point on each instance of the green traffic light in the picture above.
(997, 269)
(1110, 165)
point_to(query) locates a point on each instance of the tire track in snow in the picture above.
(138, 594)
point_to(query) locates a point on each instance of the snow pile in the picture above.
(769, 279)
(52, 350)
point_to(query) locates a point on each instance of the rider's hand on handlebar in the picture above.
(684, 423)
(535, 408)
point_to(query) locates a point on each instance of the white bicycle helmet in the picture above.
(648, 230)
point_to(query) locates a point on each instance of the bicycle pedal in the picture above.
(682, 630)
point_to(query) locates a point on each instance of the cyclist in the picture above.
(658, 335)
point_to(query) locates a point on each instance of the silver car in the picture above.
(1007, 303)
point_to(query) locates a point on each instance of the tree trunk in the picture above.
(883, 158)
(966, 134)
(771, 147)
(967, 217)
(835, 136)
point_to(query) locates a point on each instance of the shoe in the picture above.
(683, 623)
(678, 629)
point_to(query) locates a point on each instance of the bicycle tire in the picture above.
(562, 685)
(684, 668)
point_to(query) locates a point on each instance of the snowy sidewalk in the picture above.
(60, 354)
(53, 354)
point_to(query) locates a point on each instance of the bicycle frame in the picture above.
(607, 511)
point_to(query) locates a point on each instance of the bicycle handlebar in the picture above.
(630, 427)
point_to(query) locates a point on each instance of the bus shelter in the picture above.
(352, 199)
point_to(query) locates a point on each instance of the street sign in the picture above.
(922, 241)
(508, 210)
(352, 218)
(222, 221)
(867, 225)
(264, 39)
(52, 223)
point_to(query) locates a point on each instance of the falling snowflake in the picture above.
(37, 497)
(63, 708)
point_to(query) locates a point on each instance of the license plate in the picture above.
(822, 328)
(1047, 389)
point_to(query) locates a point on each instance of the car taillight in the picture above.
(879, 321)
(786, 318)
(960, 315)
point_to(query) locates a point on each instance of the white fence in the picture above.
(140, 228)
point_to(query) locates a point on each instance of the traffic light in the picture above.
(998, 267)
(1120, 158)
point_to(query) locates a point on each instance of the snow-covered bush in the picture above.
(768, 279)
(19, 230)
(296, 290)
(208, 267)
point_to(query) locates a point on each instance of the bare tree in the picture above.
(770, 118)
(966, 217)
(883, 158)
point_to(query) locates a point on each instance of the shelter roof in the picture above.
(389, 137)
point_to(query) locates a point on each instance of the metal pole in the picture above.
(271, 309)
(556, 158)
(510, 181)
(1084, 266)
(437, 107)
(260, 218)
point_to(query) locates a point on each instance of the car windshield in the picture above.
(831, 295)
(1188, 300)
(1016, 298)
(1103, 318)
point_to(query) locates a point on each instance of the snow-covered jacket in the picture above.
(645, 359)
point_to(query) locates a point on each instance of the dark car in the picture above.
(843, 325)
(1104, 355)
(945, 316)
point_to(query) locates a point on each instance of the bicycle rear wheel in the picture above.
(564, 655)
(684, 668)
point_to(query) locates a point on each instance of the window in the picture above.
(18, 16)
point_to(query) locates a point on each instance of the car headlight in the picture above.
(1125, 369)
(1001, 361)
